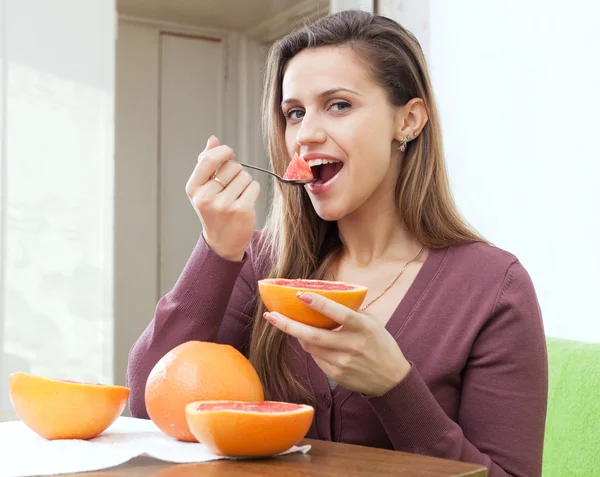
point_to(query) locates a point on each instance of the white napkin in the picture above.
(24, 453)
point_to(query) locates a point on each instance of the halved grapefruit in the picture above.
(279, 295)
(248, 429)
(60, 409)
(298, 169)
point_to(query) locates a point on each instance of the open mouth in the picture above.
(324, 169)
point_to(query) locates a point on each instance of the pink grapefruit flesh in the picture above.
(298, 169)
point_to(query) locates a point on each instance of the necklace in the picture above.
(393, 281)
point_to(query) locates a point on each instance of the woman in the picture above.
(447, 356)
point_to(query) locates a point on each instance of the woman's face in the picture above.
(340, 121)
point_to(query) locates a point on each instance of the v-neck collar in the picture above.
(399, 317)
(416, 290)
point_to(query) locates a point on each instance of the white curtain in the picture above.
(57, 200)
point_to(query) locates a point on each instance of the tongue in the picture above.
(328, 171)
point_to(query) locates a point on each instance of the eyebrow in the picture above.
(328, 92)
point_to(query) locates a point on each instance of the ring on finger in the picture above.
(219, 181)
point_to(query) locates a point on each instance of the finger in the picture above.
(216, 156)
(309, 334)
(242, 201)
(211, 187)
(210, 160)
(213, 142)
(250, 194)
(225, 175)
(210, 144)
(341, 314)
(316, 351)
(235, 188)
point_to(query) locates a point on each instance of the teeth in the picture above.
(319, 162)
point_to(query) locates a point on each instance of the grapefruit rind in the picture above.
(281, 298)
(61, 409)
(235, 432)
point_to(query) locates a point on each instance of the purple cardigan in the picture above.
(470, 325)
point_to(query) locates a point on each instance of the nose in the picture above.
(311, 131)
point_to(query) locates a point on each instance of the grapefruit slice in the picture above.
(298, 169)
(60, 409)
(248, 429)
(279, 295)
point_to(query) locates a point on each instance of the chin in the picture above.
(329, 214)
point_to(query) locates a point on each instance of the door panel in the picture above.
(191, 105)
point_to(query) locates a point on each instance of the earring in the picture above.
(402, 146)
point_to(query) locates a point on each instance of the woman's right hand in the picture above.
(223, 195)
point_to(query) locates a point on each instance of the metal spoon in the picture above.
(281, 179)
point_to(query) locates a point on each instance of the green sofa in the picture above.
(572, 442)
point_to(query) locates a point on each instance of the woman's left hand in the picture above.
(361, 356)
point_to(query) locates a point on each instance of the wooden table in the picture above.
(329, 459)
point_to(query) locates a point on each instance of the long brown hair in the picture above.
(297, 241)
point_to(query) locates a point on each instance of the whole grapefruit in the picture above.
(279, 295)
(249, 429)
(59, 409)
(197, 371)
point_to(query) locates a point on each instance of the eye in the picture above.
(340, 105)
(294, 114)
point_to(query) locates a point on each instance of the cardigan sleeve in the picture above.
(213, 300)
(503, 403)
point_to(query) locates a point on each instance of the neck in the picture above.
(376, 234)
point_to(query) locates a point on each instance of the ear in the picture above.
(410, 120)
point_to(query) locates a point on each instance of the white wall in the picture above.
(57, 164)
(3, 64)
(518, 85)
(412, 14)
(339, 5)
